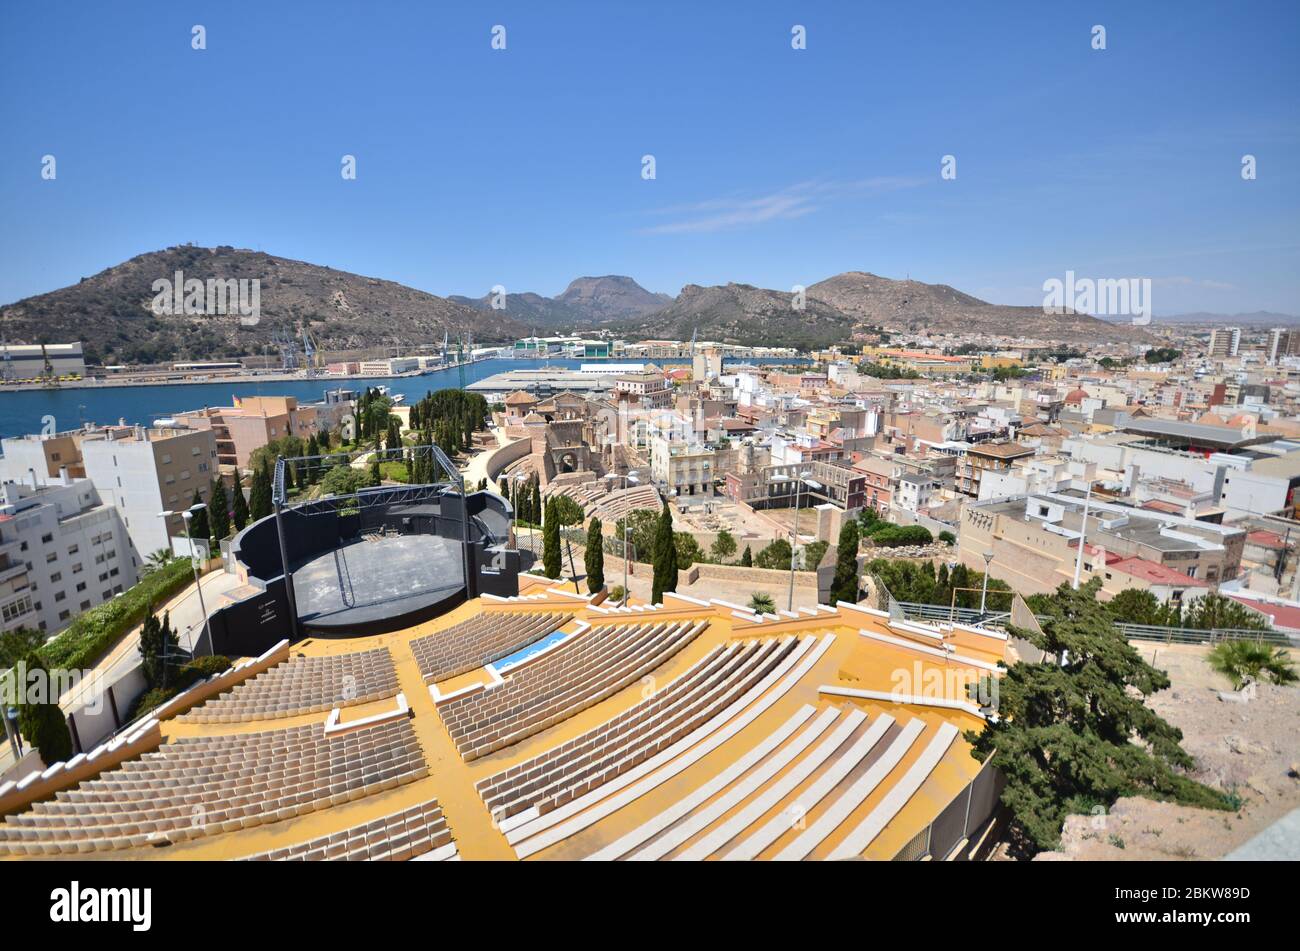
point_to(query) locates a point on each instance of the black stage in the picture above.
(367, 586)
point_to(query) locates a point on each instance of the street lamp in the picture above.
(521, 477)
(188, 516)
(1083, 536)
(984, 594)
(801, 479)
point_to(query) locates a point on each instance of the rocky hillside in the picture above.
(111, 311)
(876, 301)
(742, 314)
(586, 302)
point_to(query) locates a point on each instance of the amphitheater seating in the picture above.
(581, 672)
(304, 685)
(481, 640)
(596, 498)
(194, 787)
(418, 831)
(565, 772)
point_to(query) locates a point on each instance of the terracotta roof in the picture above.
(1156, 573)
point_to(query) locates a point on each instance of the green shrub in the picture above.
(896, 536)
(948, 538)
(91, 634)
(200, 668)
(616, 593)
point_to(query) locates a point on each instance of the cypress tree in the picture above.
(551, 541)
(593, 562)
(747, 559)
(845, 585)
(239, 508)
(199, 522)
(218, 510)
(535, 510)
(259, 499)
(665, 557)
(41, 720)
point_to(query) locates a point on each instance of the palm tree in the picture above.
(1239, 660)
(156, 561)
(760, 602)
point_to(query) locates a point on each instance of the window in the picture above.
(16, 609)
(108, 593)
(56, 576)
(73, 549)
(60, 596)
(85, 605)
(46, 539)
(113, 572)
(52, 557)
(81, 586)
(76, 569)
(64, 615)
(166, 459)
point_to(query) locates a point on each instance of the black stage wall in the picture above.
(249, 627)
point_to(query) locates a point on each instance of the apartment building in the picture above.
(62, 552)
(1034, 544)
(39, 459)
(683, 466)
(987, 457)
(143, 472)
(1224, 342)
(249, 424)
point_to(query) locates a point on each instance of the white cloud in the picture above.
(721, 214)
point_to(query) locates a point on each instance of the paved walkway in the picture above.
(1279, 842)
(186, 618)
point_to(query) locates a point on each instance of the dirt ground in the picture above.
(1249, 747)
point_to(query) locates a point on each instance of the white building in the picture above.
(143, 472)
(64, 552)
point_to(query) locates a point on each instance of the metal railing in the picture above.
(1136, 632)
(968, 811)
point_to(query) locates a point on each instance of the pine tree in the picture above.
(665, 557)
(551, 541)
(845, 585)
(1073, 732)
(239, 508)
(594, 561)
(218, 510)
(39, 716)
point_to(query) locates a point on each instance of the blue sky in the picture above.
(774, 166)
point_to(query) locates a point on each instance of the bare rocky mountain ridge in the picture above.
(586, 302)
(938, 309)
(110, 311)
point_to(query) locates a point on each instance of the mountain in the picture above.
(877, 301)
(743, 314)
(586, 302)
(111, 312)
(610, 298)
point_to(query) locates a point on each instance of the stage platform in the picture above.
(372, 587)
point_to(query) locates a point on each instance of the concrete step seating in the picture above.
(581, 672)
(474, 643)
(200, 786)
(304, 685)
(573, 768)
(420, 830)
